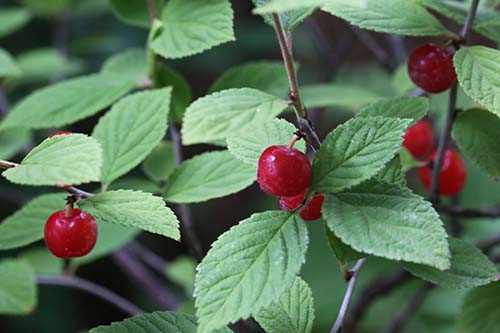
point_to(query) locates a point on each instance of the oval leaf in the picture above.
(481, 310)
(17, 287)
(414, 108)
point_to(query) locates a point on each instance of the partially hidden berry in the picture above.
(452, 177)
(70, 236)
(59, 133)
(283, 171)
(431, 68)
(419, 139)
(311, 212)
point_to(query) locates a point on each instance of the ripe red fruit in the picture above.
(431, 68)
(283, 171)
(69, 237)
(453, 174)
(59, 133)
(419, 139)
(312, 211)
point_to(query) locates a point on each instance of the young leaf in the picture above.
(156, 322)
(191, 27)
(248, 267)
(42, 261)
(248, 146)
(356, 151)
(334, 94)
(131, 63)
(478, 71)
(388, 221)
(111, 238)
(469, 268)
(133, 209)
(402, 17)
(228, 112)
(208, 176)
(17, 287)
(12, 19)
(267, 76)
(12, 141)
(481, 310)
(26, 225)
(393, 173)
(131, 130)
(160, 163)
(476, 133)
(134, 12)
(413, 108)
(61, 160)
(292, 13)
(293, 312)
(68, 101)
(8, 67)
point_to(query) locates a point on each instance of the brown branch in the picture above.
(377, 50)
(468, 213)
(153, 11)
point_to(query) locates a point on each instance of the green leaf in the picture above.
(182, 271)
(68, 101)
(414, 108)
(393, 173)
(134, 12)
(267, 76)
(342, 251)
(160, 163)
(8, 67)
(248, 267)
(208, 176)
(390, 222)
(131, 130)
(476, 133)
(481, 310)
(292, 313)
(191, 27)
(12, 19)
(478, 71)
(133, 209)
(248, 146)
(131, 63)
(26, 225)
(469, 268)
(17, 287)
(292, 13)
(181, 91)
(228, 112)
(70, 159)
(356, 151)
(42, 261)
(156, 322)
(12, 141)
(458, 11)
(337, 95)
(402, 17)
(45, 64)
(111, 238)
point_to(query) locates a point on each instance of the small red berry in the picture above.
(431, 68)
(59, 133)
(453, 174)
(312, 211)
(419, 139)
(283, 171)
(69, 237)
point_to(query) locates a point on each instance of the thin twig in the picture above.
(153, 11)
(469, 213)
(378, 51)
(487, 245)
(339, 323)
(401, 320)
(93, 289)
(148, 257)
(4, 103)
(162, 296)
(186, 217)
(469, 21)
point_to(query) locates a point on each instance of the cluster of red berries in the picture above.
(286, 172)
(70, 233)
(419, 141)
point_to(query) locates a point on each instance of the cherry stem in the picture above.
(69, 208)
(294, 139)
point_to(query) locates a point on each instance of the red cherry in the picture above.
(419, 139)
(431, 68)
(283, 171)
(453, 174)
(311, 212)
(69, 237)
(59, 133)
